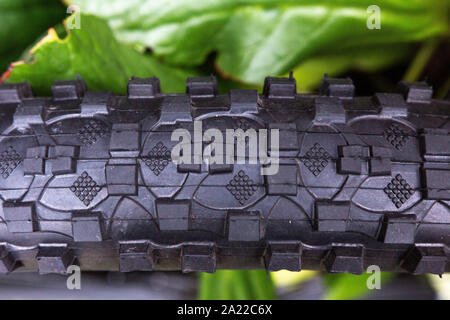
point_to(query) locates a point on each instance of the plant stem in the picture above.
(420, 61)
(443, 90)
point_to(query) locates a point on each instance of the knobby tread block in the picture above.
(7, 260)
(398, 228)
(198, 257)
(331, 216)
(135, 256)
(87, 227)
(68, 90)
(173, 214)
(244, 226)
(282, 255)
(284, 182)
(345, 258)
(54, 259)
(425, 258)
(20, 217)
(87, 177)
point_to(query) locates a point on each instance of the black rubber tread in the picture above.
(86, 178)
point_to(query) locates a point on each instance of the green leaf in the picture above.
(236, 285)
(22, 21)
(92, 52)
(310, 73)
(256, 38)
(349, 286)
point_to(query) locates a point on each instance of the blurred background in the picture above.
(376, 43)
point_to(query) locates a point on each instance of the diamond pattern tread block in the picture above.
(91, 132)
(398, 190)
(316, 159)
(87, 178)
(158, 158)
(85, 188)
(9, 160)
(396, 136)
(241, 187)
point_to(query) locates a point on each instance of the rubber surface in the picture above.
(86, 178)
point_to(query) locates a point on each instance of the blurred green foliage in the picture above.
(236, 285)
(249, 39)
(97, 56)
(257, 38)
(349, 286)
(22, 21)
